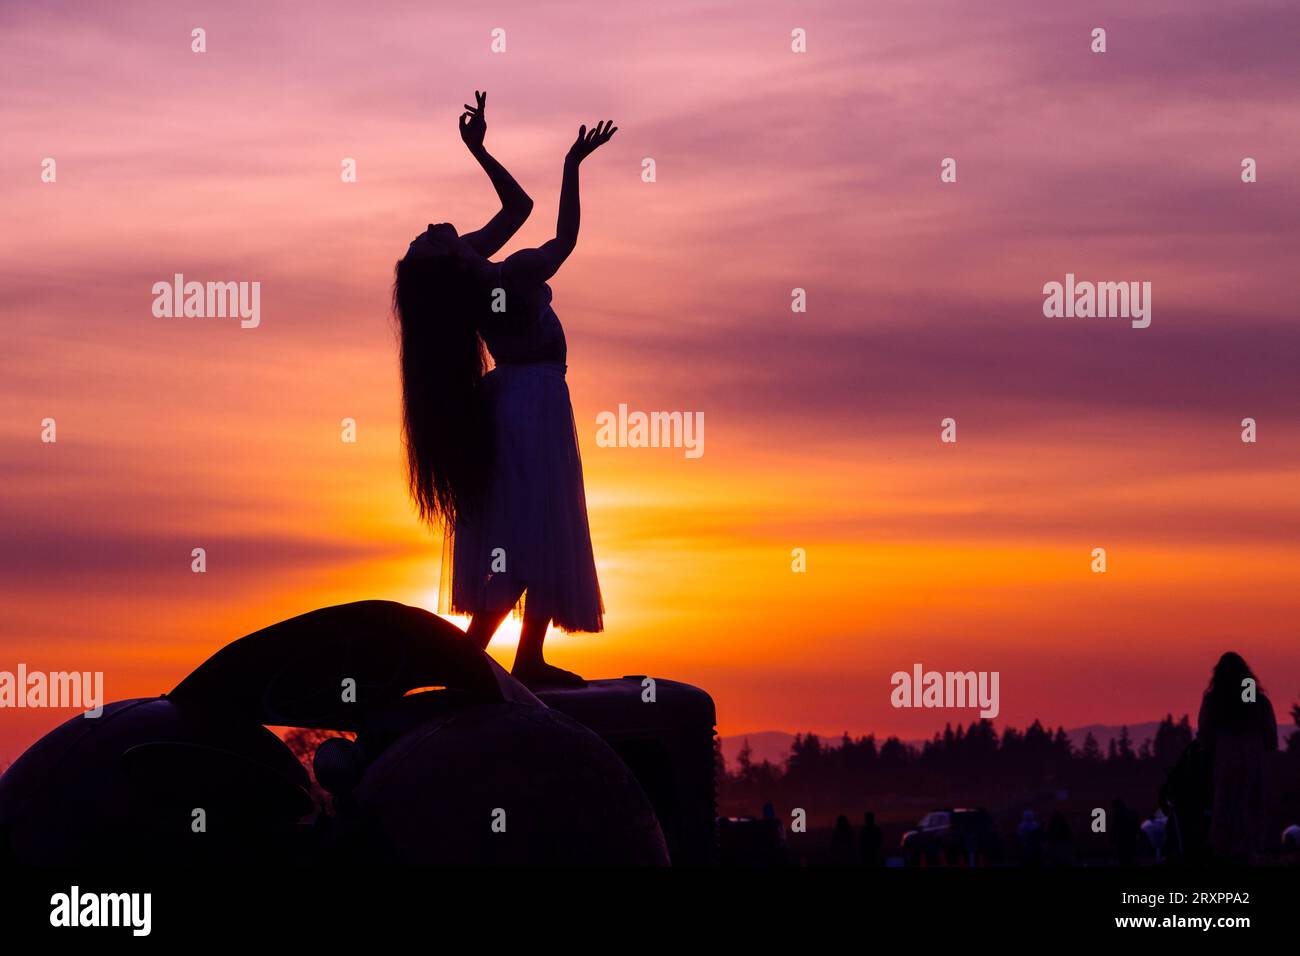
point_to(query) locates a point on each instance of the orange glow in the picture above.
(822, 427)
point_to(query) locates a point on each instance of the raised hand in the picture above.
(589, 140)
(473, 126)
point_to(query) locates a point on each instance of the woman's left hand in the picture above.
(472, 124)
(589, 140)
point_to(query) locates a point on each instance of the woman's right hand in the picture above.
(473, 125)
(589, 141)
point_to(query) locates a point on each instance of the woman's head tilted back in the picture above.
(438, 297)
(1226, 689)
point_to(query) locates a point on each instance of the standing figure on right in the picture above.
(1237, 723)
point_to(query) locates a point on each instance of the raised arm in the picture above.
(534, 266)
(515, 203)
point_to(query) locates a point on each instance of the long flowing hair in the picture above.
(1224, 692)
(443, 361)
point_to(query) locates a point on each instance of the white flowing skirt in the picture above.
(531, 530)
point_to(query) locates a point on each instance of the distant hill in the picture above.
(774, 745)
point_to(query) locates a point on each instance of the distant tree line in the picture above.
(969, 765)
(977, 750)
(963, 765)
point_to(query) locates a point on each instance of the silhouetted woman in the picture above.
(1241, 729)
(493, 455)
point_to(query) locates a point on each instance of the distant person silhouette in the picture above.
(1060, 842)
(871, 842)
(774, 829)
(1155, 830)
(842, 842)
(1030, 835)
(1239, 727)
(1124, 832)
(493, 455)
(1185, 796)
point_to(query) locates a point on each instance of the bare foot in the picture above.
(541, 674)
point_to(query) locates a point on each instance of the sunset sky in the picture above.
(775, 170)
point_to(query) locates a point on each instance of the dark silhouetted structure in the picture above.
(453, 761)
